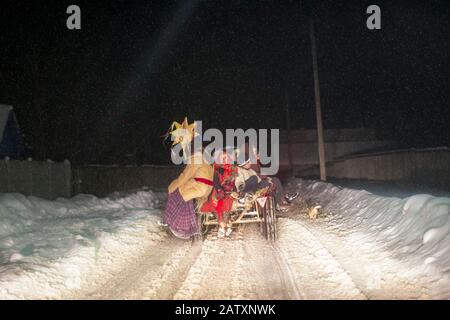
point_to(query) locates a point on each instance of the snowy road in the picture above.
(358, 253)
(306, 263)
(244, 266)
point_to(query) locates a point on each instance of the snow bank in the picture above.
(39, 237)
(415, 230)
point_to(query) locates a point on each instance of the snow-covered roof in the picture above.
(4, 113)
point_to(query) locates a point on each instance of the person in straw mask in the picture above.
(195, 182)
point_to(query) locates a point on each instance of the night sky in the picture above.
(112, 88)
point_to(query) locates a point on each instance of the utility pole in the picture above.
(323, 175)
(289, 135)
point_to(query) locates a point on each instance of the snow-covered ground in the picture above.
(50, 248)
(362, 246)
(391, 247)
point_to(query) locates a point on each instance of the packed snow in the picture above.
(409, 236)
(361, 246)
(49, 246)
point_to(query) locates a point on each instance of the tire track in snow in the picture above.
(212, 274)
(281, 284)
(376, 275)
(152, 276)
(245, 266)
(288, 275)
(315, 270)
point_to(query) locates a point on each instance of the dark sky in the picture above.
(96, 94)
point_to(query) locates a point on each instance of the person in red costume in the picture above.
(220, 200)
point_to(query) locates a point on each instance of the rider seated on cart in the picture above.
(220, 200)
(248, 181)
(229, 180)
(276, 187)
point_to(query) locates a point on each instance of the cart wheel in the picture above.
(203, 227)
(268, 220)
(262, 224)
(271, 219)
(263, 216)
(274, 220)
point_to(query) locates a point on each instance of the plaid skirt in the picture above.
(180, 216)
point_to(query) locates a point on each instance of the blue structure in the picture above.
(11, 143)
